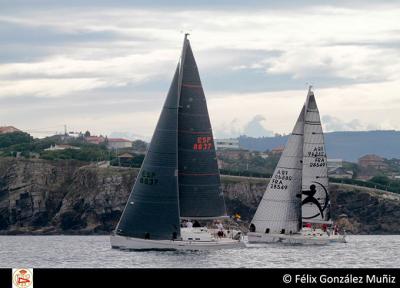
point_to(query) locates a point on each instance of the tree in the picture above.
(139, 145)
(13, 138)
(383, 180)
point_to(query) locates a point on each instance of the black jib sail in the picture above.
(152, 210)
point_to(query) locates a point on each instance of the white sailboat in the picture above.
(298, 190)
(316, 214)
(179, 178)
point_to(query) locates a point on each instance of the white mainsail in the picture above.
(279, 211)
(315, 196)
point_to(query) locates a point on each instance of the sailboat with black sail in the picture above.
(179, 178)
(298, 190)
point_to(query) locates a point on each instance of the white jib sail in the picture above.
(280, 208)
(315, 195)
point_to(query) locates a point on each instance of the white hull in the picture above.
(337, 238)
(192, 239)
(294, 239)
(330, 234)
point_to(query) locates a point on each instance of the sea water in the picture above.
(95, 252)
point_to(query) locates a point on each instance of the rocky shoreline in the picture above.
(40, 197)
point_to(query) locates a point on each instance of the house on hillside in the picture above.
(227, 144)
(372, 161)
(334, 164)
(61, 147)
(278, 150)
(364, 177)
(95, 139)
(125, 156)
(340, 173)
(235, 154)
(118, 143)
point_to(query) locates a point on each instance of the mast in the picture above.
(279, 211)
(315, 195)
(200, 193)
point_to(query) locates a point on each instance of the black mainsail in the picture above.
(179, 176)
(200, 194)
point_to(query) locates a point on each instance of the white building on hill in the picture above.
(227, 144)
(118, 143)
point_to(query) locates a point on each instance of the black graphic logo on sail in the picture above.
(315, 201)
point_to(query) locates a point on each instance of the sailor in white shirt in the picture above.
(189, 224)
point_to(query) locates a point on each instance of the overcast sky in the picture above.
(106, 66)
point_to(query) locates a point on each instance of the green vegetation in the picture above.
(16, 138)
(235, 163)
(22, 144)
(394, 165)
(377, 182)
(244, 173)
(87, 152)
(139, 145)
(135, 162)
(247, 163)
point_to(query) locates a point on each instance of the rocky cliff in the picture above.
(69, 197)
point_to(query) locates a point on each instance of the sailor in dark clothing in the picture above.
(196, 224)
(311, 199)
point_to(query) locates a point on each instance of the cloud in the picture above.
(106, 66)
(232, 129)
(331, 123)
(255, 128)
(126, 135)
